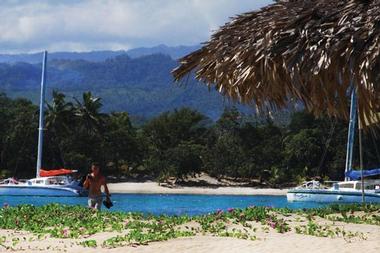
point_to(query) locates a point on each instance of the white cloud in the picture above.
(115, 24)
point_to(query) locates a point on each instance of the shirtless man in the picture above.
(93, 183)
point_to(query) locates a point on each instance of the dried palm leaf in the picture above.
(313, 50)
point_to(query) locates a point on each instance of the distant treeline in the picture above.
(174, 144)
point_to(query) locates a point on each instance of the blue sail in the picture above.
(357, 174)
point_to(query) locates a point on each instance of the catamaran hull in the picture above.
(16, 190)
(325, 196)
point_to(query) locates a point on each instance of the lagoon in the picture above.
(169, 204)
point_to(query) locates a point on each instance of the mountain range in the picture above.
(98, 56)
(138, 81)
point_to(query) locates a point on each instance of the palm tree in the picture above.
(88, 112)
(59, 116)
(59, 113)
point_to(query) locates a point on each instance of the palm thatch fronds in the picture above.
(312, 50)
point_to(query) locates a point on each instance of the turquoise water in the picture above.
(173, 204)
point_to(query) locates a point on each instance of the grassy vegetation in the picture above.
(80, 223)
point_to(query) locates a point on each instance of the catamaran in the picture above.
(344, 192)
(47, 182)
(351, 190)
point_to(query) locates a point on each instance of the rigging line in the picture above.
(360, 133)
(332, 130)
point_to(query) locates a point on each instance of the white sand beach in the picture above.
(201, 184)
(153, 187)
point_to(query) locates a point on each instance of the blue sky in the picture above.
(73, 25)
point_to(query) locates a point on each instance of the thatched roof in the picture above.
(311, 50)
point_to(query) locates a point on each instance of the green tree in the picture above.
(185, 159)
(166, 133)
(225, 157)
(304, 149)
(5, 118)
(87, 139)
(59, 121)
(121, 143)
(20, 155)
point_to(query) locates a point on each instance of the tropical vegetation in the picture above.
(175, 144)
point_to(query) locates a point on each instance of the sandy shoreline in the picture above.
(268, 242)
(153, 187)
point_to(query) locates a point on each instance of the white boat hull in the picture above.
(331, 196)
(27, 190)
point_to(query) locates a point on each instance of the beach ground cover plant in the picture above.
(76, 222)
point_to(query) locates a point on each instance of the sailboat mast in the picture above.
(41, 120)
(361, 159)
(351, 132)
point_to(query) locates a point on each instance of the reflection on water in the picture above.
(173, 204)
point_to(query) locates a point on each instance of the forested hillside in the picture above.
(142, 86)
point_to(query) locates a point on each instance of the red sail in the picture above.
(58, 172)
